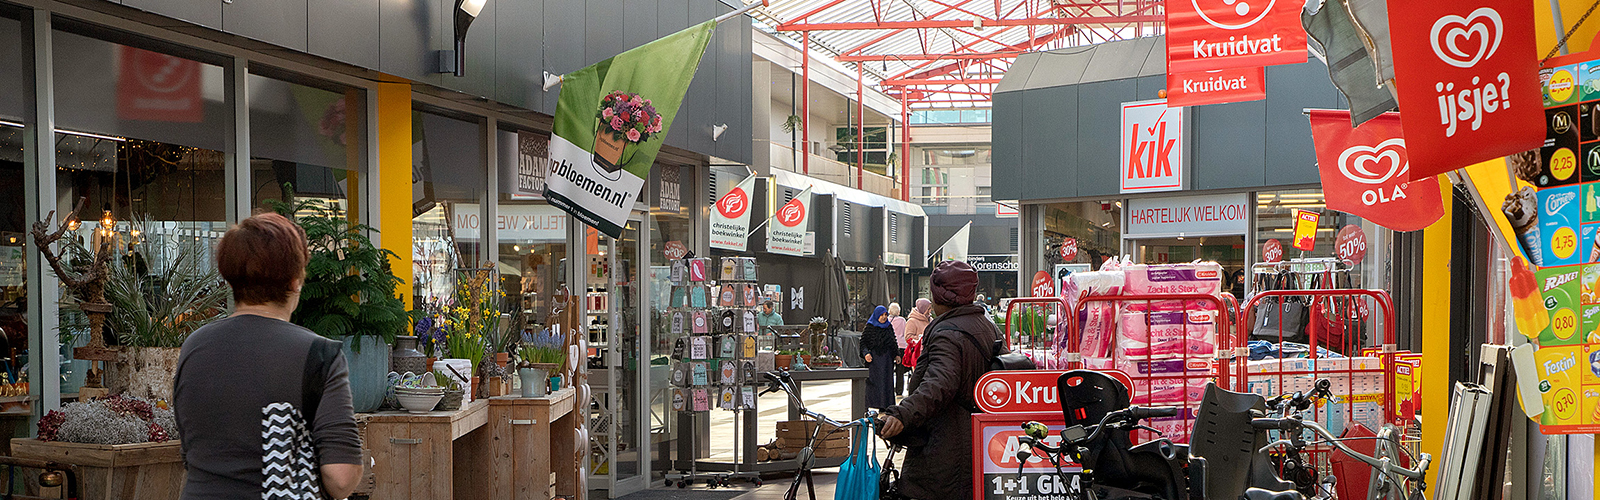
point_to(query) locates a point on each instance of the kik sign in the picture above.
(1153, 144)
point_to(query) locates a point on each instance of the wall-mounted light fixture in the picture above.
(717, 130)
(455, 61)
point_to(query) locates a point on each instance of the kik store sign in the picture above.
(1154, 141)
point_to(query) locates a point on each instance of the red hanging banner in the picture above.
(1365, 169)
(1468, 76)
(1216, 87)
(1204, 35)
(152, 86)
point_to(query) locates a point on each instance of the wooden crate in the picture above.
(802, 429)
(144, 470)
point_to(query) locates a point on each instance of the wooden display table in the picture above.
(534, 441)
(140, 470)
(436, 455)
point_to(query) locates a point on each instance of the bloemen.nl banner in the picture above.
(610, 122)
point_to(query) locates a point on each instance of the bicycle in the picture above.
(1112, 468)
(1231, 424)
(781, 381)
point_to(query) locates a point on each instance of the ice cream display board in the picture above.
(1550, 215)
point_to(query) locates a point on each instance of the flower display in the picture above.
(473, 317)
(629, 117)
(110, 420)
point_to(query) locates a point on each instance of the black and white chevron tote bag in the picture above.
(288, 458)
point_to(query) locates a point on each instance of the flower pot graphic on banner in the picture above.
(625, 119)
(609, 125)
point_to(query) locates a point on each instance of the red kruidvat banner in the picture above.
(1216, 87)
(1204, 35)
(1365, 171)
(1468, 77)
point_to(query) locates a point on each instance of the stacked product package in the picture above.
(714, 323)
(1165, 346)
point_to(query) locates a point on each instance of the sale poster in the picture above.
(1305, 229)
(996, 465)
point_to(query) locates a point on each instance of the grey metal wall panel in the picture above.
(408, 38)
(1291, 89)
(519, 63)
(1228, 145)
(1099, 135)
(563, 41)
(482, 53)
(1055, 173)
(733, 79)
(1156, 62)
(639, 22)
(1149, 87)
(692, 128)
(1116, 61)
(281, 22)
(1008, 170)
(601, 20)
(1017, 75)
(1057, 68)
(345, 31)
(204, 13)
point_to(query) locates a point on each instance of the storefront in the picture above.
(175, 129)
(1230, 193)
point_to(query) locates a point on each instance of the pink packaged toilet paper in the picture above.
(1202, 278)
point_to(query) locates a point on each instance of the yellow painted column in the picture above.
(394, 172)
(1436, 242)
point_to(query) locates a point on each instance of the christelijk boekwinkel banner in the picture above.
(730, 218)
(786, 232)
(610, 122)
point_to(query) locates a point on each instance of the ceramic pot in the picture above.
(782, 361)
(533, 385)
(555, 383)
(406, 357)
(369, 359)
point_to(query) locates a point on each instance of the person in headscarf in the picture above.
(878, 348)
(915, 326)
(934, 421)
(898, 323)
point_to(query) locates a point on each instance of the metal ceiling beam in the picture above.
(957, 23)
(932, 57)
(938, 81)
(918, 72)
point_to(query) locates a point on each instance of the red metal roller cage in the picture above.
(1296, 375)
(1224, 365)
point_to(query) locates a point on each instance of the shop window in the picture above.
(13, 215)
(1094, 226)
(447, 171)
(1275, 216)
(310, 139)
(117, 90)
(532, 235)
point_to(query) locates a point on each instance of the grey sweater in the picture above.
(231, 369)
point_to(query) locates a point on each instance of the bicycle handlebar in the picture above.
(1034, 431)
(1295, 424)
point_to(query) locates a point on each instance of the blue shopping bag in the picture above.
(858, 476)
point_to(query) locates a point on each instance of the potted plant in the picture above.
(805, 356)
(783, 359)
(542, 356)
(123, 447)
(159, 294)
(349, 294)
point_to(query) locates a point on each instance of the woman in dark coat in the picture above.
(934, 421)
(879, 348)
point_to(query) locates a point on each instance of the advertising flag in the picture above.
(610, 122)
(786, 232)
(1364, 171)
(1205, 35)
(1468, 81)
(730, 218)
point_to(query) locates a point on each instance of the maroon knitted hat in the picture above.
(954, 283)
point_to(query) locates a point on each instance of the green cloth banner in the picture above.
(610, 122)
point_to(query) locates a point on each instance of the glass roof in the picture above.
(950, 53)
